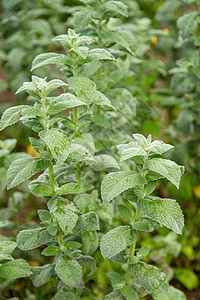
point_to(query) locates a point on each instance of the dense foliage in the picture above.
(108, 129)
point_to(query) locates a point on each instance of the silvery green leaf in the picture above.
(58, 143)
(84, 88)
(66, 295)
(130, 150)
(100, 54)
(70, 188)
(90, 241)
(62, 102)
(166, 168)
(141, 140)
(82, 18)
(149, 277)
(65, 215)
(126, 213)
(33, 238)
(116, 240)
(172, 293)
(22, 169)
(54, 84)
(41, 274)
(116, 7)
(69, 271)
(141, 226)
(90, 68)
(88, 264)
(104, 162)
(117, 281)
(15, 269)
(88, 222)
(11, 116)
(158, 147)
(129, 293)
(7, 247)
(50, 58)
(166, 212)
(41, 188)
(82, 51)
(27, 86)
(143, 252)
(102, 100)
(114, 184)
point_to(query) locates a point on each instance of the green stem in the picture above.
(51, 176)
(60, 236)
(79, 173)
(75, 115)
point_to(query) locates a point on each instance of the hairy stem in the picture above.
(51, 176)
(79, 173)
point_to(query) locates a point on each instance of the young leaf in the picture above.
(11, 116)
(116, 240)
(33, 238)
(143, 252)
(58, 143)
(114, 184)
(166, 168)
(51, 251)
(54, 84)
(158, 147)
(41, 188)
(166, 212)
(83, 87)
(126, 213)
(69, 271)
(22, 169)
(15, 269)
(50, 58)
(149, 277)
(65, 215)
(116, 280)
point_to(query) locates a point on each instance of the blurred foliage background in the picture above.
(163, 76)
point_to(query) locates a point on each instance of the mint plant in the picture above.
(142, 212)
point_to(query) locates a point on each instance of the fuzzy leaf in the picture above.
(58, 143)
(129, 293)
(116, 240)
(15, 269)
(62, 102)
(114, 184)
(70, 188)
(33, 238)
(49, 58)
(116, 7)
(100, 54)
(41, 274)
(166, 212)
(117, 281)
(22, 169)
(158, 147)
(172, 293)
(11, 116)
(69, 271)
(7, 247)
(149, 277)
(166, 168)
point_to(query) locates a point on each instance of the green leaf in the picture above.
(70, 188)
(58, 143)
(100, 54)
(15, 269)
(7, 247)
(50, 58)
(116, 7)
(54, 84)
(158, 147)
(117, 281)
(51, 251)
(33, 238)
(65, 215)
(41, 188)
(41, 274)
(90, 242)
(88, 222)
(116, 240)
(130, 150)
(83, 87)
(62, 102)
(143, 252)
(114, 184)
(104, 162)
(101, 99)
(82, 18)
(129, 293)
(172, 294)
(141, 226)
(187, 277)
(166, 168)
(22, 169)
(166, 212)
(149, 277)
(69, 271)
(126, 213)
(11, 116)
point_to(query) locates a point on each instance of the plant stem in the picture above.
(51, 175)
(75, 115)
(60, 236)
(79, 173)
